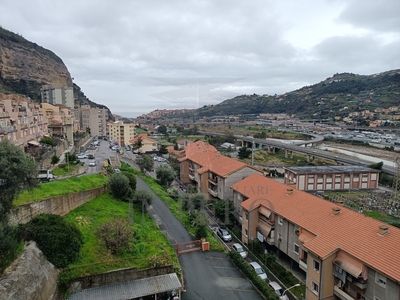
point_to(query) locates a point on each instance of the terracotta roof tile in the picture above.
(211, 159)
(349, 231)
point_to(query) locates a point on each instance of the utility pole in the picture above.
(252, 153)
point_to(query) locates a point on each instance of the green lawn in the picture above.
(149, 245)
(62, 187)
(66, 169)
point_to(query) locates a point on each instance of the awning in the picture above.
(132, 289)
(264, 211)
(264, 229)
(33, 143)
(351, 265)
(305, 236)
(12, 119)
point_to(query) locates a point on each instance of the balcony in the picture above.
(302, 265)
(191, 167)
(212, 192)
(361, 283)
(270, 240)
(341, 294)
(191, 176)
(213, 182)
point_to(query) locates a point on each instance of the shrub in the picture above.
(132, 180)
(119, 185)
(201, 231)
(59, 240)
(116, 235)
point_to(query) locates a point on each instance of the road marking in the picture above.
(216, 257)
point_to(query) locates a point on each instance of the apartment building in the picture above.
(58, 94)
(343, 254)
(211, 172)
(93, 118)
(22, 122)
(149, 145)
(121, 132)
(331, 178)
(60, 121)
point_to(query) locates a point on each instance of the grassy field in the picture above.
(66, 169)
(149, 246)
(62, 187)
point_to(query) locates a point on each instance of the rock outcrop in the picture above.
(30, 276)
(25, 66)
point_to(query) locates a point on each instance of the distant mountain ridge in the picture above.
(334, 96)
(26, 66)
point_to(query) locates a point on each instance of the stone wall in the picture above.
(117, 276)
(59, 205)
(30, 276)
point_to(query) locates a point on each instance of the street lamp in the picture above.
(297, 284)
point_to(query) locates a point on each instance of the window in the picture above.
(280, 220)
(246, 233)
(316, 265)
(246, 216)
(314, 288)
(380, 279)
(296, 249)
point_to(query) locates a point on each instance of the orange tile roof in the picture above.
(349, 231)
(210, 159)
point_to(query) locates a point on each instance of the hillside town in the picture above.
(288, 216)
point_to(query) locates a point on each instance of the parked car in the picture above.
(82, 156)
(278, 290)
(90, 156)
(224, 234)
(239, 249)
(116, 170)
(259, 271)
(93, 163)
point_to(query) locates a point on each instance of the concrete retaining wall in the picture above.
(59, 205)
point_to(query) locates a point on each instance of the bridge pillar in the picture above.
(288, 152)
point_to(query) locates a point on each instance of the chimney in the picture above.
(340, 203)
(289, 191)
(383, 230)
(335, 210)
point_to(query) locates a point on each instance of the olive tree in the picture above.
(119, 186)
(145, 162)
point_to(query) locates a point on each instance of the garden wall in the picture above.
(59, 205)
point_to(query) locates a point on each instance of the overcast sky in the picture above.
(137, 56)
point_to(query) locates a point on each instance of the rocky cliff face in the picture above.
(30, 276)
(25, 66)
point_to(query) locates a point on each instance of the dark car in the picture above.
(224, 234)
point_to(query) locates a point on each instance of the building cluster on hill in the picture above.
(342, 254)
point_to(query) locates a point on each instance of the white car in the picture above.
(239, 249)
(278, 290)
(259, 271)
(82, 156)
(93, 163)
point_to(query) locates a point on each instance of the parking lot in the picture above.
(215, 276)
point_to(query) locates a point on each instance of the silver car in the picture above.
(239, 249)
(260, 271)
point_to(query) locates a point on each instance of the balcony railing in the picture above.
(341, 294)
(302, 265)
(212, 192)
(270, 241)
(191, 177)
(212, 181)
